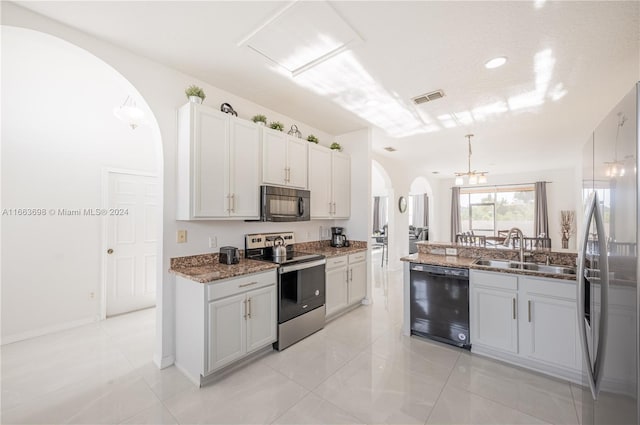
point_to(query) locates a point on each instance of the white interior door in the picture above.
(131, 257)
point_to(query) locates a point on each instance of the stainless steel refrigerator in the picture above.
(608, 258)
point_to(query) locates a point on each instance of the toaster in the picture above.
(229, 255)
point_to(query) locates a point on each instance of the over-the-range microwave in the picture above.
(284, 204)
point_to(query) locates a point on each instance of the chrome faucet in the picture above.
(518, 233)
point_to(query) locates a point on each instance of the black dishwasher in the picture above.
(440, 304)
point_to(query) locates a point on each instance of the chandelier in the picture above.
(474, 177)
(616, 168)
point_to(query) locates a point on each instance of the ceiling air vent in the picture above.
(390, 149)
(428, 97)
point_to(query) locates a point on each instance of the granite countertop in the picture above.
(206, 268)
(466, 262)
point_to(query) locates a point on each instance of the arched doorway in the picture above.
(382, 211)
(419, 210)
(60, 139)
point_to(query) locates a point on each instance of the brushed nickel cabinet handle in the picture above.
(247, 284)
(249, 304)
(529, 307)
(245, 309)
(514, 309)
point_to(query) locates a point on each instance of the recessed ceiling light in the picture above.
(495, 62)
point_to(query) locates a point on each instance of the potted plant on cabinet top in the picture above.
(195, 94)
(259, 119)
(277, 125)
(313, 139)
(336, 146)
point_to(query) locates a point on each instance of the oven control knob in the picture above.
(317, 292)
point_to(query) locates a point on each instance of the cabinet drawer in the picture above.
(357, 257)
(495, 280)
(334, 262)
(241, 284)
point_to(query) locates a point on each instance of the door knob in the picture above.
(109, 251)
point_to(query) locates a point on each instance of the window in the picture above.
(485, 211)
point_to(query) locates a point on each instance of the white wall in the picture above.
(58, 132)
(163, 90)
(562, 194)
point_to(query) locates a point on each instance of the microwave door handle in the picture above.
(300, 206)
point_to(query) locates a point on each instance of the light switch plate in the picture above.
(451, 251)
(181, 237)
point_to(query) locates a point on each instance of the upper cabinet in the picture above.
(284, 159)
(218, 165)
(329, 183)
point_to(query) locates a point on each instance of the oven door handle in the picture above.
(301, 266)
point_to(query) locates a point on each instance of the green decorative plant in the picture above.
(313, 139)
(276, 125)
(259, 118)
(194, 90)
(335, 146)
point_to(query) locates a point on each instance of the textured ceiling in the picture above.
(569, 63)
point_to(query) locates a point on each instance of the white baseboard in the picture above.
(46, 330)
(164, 362)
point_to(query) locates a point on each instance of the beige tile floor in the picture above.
(359, 369)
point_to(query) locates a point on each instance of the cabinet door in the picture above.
(320, 178)
(274, 157)
(336, 290)
(261, 318)
(548, 322)
(297, 162)
(357, 282)
(341, 185)
(226, 331)
(493, 318)
(210, 158)
(244, 170)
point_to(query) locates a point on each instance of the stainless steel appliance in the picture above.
(608, 268)
(284, 204)
(301, 285)
(338, 238)
(439, 303)
(229, 255)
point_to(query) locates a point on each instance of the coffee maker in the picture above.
(338, 239)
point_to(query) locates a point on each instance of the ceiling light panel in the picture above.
(302, 35)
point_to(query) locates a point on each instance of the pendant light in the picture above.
(129, 113)
(474, 177)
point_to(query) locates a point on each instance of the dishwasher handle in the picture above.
(439, 270)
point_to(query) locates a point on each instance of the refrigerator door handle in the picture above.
(595, 372)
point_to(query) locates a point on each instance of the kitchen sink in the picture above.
(531, 267)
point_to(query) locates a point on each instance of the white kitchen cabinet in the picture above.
(261, 318)
(227, 339)
(223, 322)
(218, 165)
(548, 322)
(493, 311)
(329, 183)
(346, 282)
(284, 159)
(357, 277)
(526, 320)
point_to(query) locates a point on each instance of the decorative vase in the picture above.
(262, 123)
(565, 243)
(195, 99)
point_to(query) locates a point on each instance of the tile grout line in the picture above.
(441, 391)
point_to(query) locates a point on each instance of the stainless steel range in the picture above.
(301, 285)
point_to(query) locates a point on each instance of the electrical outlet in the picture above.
(182, 236)
(213, 241)
(92, 295)
(451, 251)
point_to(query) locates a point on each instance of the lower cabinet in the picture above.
(346, 282)
(527, 321)
(224, 321)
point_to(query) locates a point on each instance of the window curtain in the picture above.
(376, 213)
(541, 216)
(455, 212)
(426, 210)
(417, 213)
